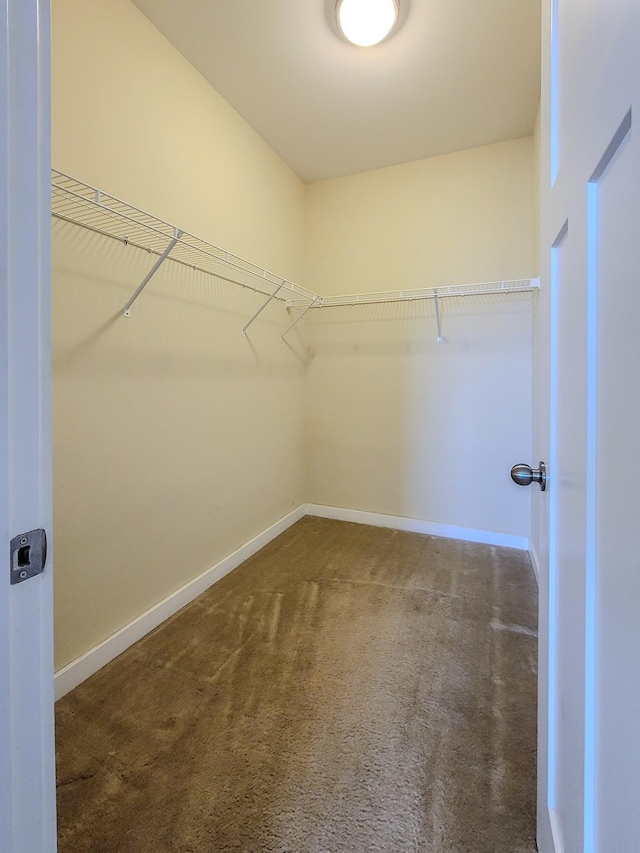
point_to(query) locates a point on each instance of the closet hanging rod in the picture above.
(82, 204)
(219, 275)
(525, 285)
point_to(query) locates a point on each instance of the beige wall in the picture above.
(133, 117)
(461, 218)
(175, 439)
(396, 422)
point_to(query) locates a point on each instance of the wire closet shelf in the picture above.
(81, 204)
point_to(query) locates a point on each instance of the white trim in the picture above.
(556, 831)
(535, 562)
(89, 663)
(27, 752)
(414, 525)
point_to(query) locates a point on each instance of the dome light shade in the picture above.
(366, 22)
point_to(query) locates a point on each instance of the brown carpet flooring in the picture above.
(349, 689)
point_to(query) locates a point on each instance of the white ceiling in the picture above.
(458, 74)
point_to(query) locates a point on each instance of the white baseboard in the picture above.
(415, 525)
(87, 664)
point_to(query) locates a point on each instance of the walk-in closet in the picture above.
(294, 603)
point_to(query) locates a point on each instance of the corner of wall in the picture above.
(536, 191)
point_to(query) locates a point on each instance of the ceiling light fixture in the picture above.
(366, 22)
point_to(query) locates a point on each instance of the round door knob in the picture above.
(524, 475)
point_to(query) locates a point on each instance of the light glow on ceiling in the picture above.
(366, 22)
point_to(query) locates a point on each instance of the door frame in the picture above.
(27, 763)
(569, 187)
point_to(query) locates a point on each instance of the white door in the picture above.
(591, 261)
(27, 779)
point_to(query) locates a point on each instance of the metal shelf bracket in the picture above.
(263, 306)
(437, 303)
(154, 269)
(298, 318)
(88, 207)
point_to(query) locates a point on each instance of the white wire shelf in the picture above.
(481, 289)
(81, 204)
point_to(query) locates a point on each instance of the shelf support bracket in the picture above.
(437, 301)
(163, 257)
(297, 320)
(263, 306)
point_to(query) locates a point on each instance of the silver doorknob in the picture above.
(524, 475)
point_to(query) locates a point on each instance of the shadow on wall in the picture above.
(207, 311)
(401, 424)
(175, 437)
